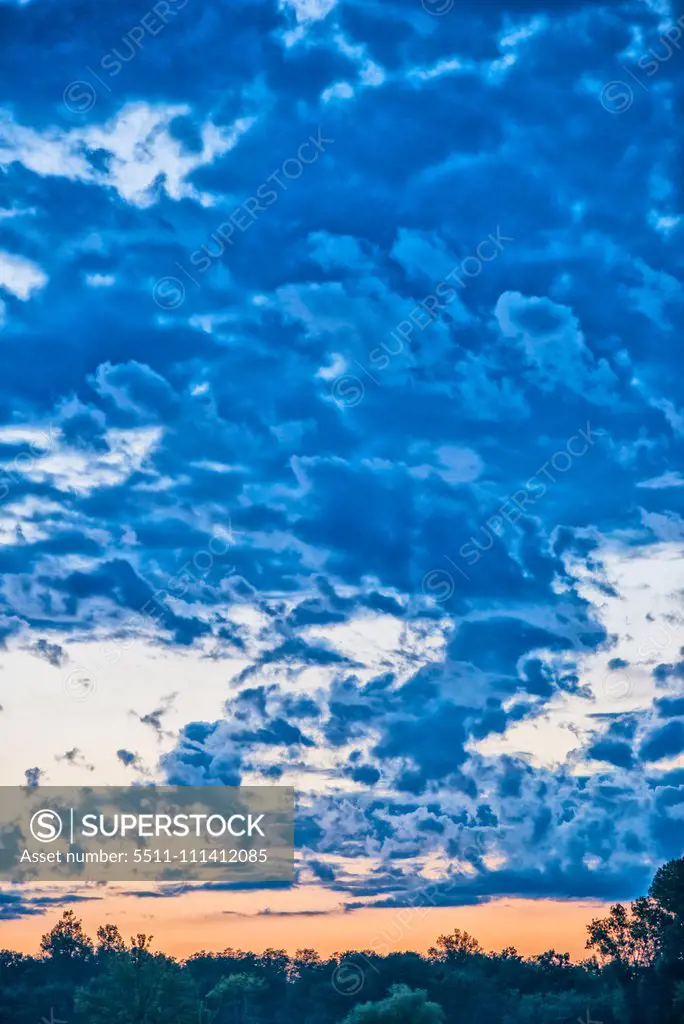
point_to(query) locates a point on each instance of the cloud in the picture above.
(667, 741)
(667, 480)
(553, 346)
(613, 752)
(16, 904)
(20, 276)
(308, 10)
(328, 484)
(52, 653)
(141, 154)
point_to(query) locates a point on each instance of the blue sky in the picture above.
(341, 426)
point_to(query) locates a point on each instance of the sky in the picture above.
(341, 427)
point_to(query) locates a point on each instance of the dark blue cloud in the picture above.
(667, 741)
(669, 707)
(613, 752)
(15, 904)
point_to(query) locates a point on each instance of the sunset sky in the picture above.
(340, 411)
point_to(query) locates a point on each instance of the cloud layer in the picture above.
(339, 356)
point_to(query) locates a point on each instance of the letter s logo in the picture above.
(46, 826)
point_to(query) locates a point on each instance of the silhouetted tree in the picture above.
(455, 948)
(636, 976)
(109, 939)
(139, 987)
(67, 940)
(402, 1006)
(235, 999)
(630, 939)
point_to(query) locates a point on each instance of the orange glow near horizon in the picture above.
(214, 921)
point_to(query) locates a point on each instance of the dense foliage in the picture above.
(635, 974)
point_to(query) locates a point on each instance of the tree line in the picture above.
(634, 973)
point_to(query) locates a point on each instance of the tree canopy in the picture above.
(633, 975)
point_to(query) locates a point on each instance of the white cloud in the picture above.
(17, 211)
(124, 676)
(20, 276)
(454, 464)
(656, 483)
(81, 472)
(142, 151)
(672, 414)
(642, 616)
(667, 527)
(370, 74)
(100, 280)
(521, 33)
(307, 11)
(339, 91)
(42, 440)
(442, 67)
